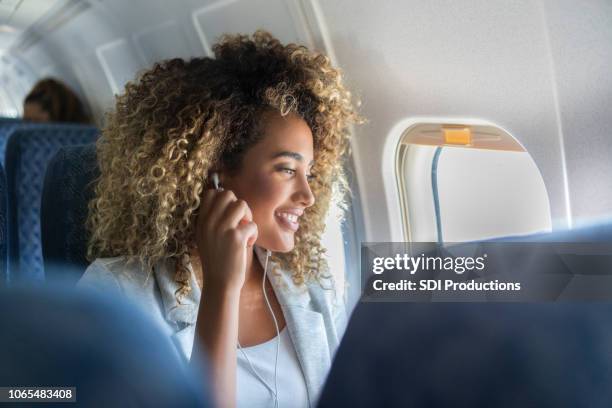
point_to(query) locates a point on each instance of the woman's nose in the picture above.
(304, 194)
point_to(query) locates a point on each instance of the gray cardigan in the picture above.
(316, 317)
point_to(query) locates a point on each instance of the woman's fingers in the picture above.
(222, 211)
(224, 229)
(236, 212)
(249, 232)
(206, 202)
(218, 206)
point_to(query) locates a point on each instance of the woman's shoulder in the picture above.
(323, 295)
(117, 273)
(326, 297)
(328, 292)
(128, 279)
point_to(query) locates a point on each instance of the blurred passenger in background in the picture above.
(52, 101)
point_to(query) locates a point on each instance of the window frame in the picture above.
(395, 149)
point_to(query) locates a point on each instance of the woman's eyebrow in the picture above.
(293, 155)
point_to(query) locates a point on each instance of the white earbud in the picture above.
(215, 179)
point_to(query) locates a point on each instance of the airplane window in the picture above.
(332, 239)
(341, 239)
(463, 183)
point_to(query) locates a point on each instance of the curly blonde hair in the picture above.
(181, 118)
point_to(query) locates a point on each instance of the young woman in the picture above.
(233, 268)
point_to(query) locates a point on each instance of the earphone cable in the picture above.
(263, 285)
(275, 391)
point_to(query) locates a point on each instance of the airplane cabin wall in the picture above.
(581, 45)
(537, 68)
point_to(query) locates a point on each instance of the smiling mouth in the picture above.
(287, 220)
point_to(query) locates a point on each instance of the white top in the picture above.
(251, 392)
(314, 314)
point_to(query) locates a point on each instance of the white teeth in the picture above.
(290, 217)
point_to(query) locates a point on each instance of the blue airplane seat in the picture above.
(67, 190)
(3, 228)
(7, 127)
(28, 152)
(477, 355)
(109, 350)
(600, 231)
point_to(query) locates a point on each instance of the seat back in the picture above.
(3, 228)
(7, 127)
(397, 354)
(68, 188)
(28, 152)
(481, 354)
(110, 351)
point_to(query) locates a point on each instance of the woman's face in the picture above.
(34, 112)
(274, 178)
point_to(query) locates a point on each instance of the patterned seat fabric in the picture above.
(28, 152)
(3, 228)
(67, 190)
(7, 127)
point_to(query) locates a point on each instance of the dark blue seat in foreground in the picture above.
(109, 350)
(477, 355)
(68, 188)
(28, 152)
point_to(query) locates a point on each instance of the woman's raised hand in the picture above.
(225, 231)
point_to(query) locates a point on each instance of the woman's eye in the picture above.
(292, 172)
(288, 171)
